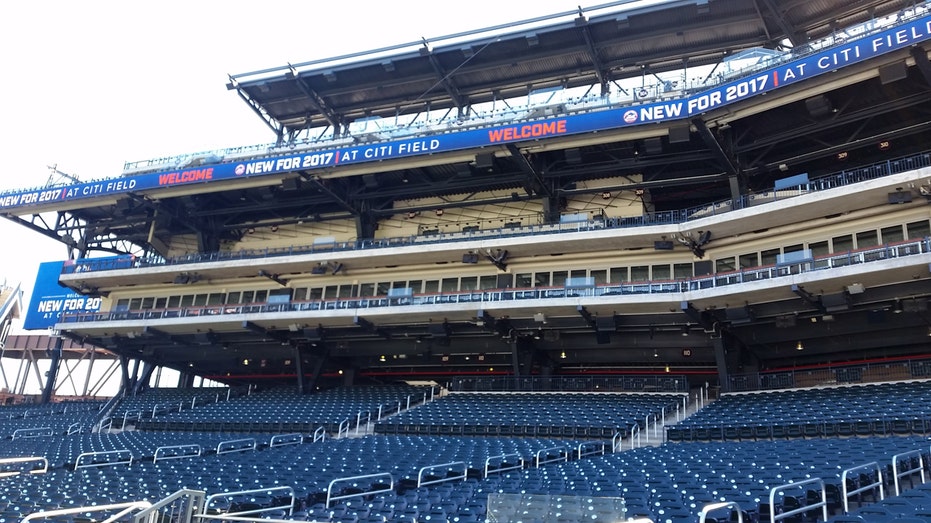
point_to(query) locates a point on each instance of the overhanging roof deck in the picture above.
(575, 49)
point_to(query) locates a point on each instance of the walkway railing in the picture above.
(672, 217)
(483, 297)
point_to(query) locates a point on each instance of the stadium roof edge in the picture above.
(290, 69)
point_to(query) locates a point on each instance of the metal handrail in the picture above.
(281, 440)
(231, 445)
(590, 448)
(123, 457)
(289, 506)
(562, 454)
(124, 510)
(501, 458)
(863, 488)
(895, 468)
(769, 272)
(192, 450)
(422, 471)
(186, 513)
(823, 504)
(28, 459)
(329, 491)
(711, 507)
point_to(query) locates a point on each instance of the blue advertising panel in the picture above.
(788, 73)
(49, 299)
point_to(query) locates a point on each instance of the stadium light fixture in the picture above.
(799, 346)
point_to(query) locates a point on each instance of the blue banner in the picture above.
(49, 299)
(855, 51)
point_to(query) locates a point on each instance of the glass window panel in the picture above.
(725, 265)
(867, 239)
(640, 273)
(601, 276)
(892, 234)
(618, 274)
(842, 243)
(682, 270)
(559, 278)
(768, 257)
(661, 272)
(749, 260)
(919, 229)
(819, 248)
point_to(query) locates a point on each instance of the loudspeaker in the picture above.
(680, 134)
(370, 181)
(652, 146)
(573, 156)
(819, 105)
(605, 324)
(485, 160)
(893, 72)
(470, 258)
(835, 302)
(665, 245)
(290, 184)
(900, 197)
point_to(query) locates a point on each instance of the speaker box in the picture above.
(653, 146)
(893, 72)
(370, 181)
(679, 134)
(819, 105)
(665, 245)
(900, 197)
(605, 324)
(485, 160)
(573, 156)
